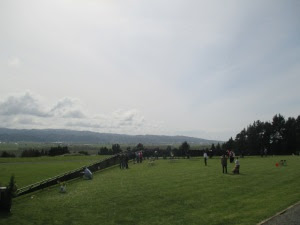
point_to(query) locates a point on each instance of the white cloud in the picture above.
(128, 118)
(68, 108)
(24, 104)
(25, 111)
(14, 62)
(119, 121)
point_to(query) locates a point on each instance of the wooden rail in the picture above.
(103, 164)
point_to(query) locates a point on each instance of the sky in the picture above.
(204, 69)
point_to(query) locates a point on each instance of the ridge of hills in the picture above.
(89, 137)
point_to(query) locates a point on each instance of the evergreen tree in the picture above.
(279, 137)
(184, 148)
(278, 128)
(116, 149)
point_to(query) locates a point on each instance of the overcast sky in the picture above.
(197, 68)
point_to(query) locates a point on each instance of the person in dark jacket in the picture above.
(224, 163)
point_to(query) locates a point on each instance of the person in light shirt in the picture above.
(87, 174)
(236, 169)
(205, 158)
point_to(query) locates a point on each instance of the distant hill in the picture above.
(88, 137)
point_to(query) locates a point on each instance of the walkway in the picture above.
(289, 216)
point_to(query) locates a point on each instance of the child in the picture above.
(63, 188)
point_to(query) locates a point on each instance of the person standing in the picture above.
(205, 158)
(224, 163)
(232, 155)
(236, 169)
(126, 159)
(141, 156)
(156, 155)
(137, 157)
(121, 161)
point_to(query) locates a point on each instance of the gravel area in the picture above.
(290, 216)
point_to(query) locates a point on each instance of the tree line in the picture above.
(279, 137)
(53, 151)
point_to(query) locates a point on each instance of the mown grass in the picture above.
(30, 170)
(169, 192)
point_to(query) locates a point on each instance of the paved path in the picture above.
(289, 216)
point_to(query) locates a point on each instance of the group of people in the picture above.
(224, 158)
(236, 169)
(264, 152)
(124, 158)
(138, 157)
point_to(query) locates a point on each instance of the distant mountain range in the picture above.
(88, 137)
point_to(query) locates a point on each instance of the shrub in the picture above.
(8, 155)
(33, 153)
(58, 150)
(83, 152)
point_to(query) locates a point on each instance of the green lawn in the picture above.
(168, 193)
(31, 170)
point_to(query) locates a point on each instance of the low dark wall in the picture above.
(69, 175)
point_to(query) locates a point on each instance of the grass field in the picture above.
(169, 192)
(30, 170)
